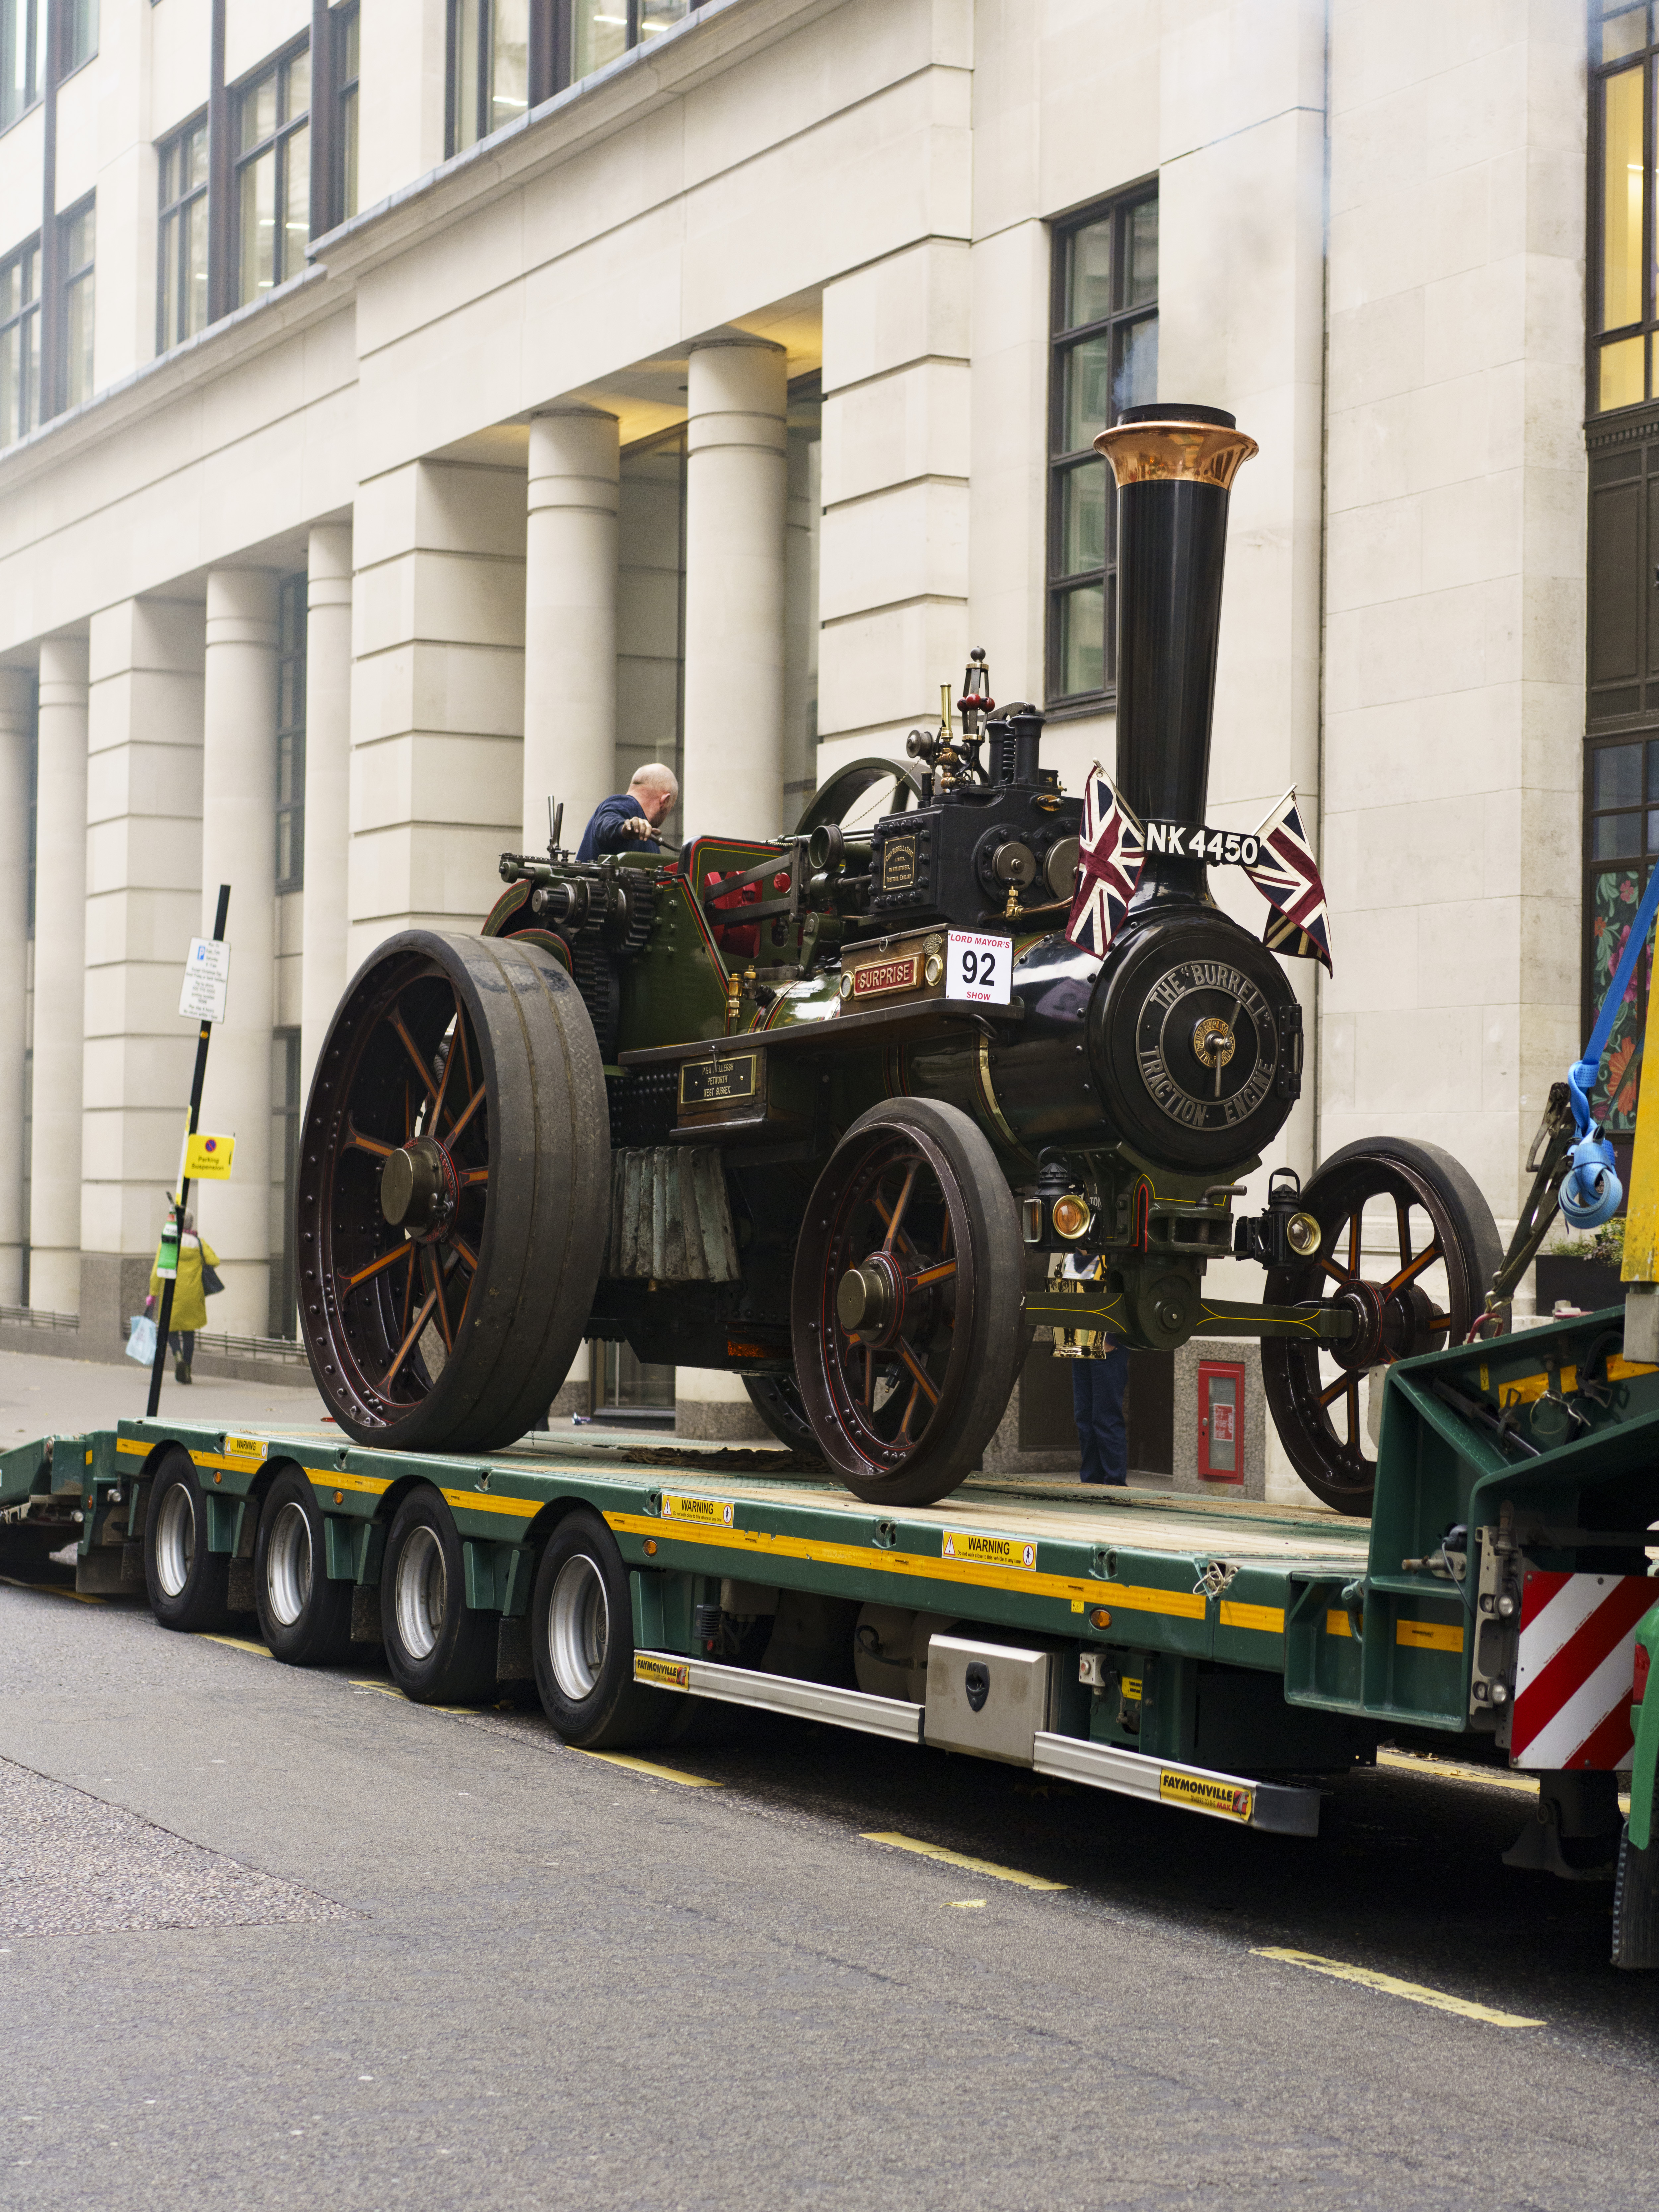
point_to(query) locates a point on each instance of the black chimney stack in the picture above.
(1174, 465)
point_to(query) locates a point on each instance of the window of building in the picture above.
(489, 68)
(1622, 301)
(22, 57)
(345, 80)
(291, 733)
(1105, 358)
(75, 236)
(80, 33)
(1621, 837)
(601, 30)
(273, 175)
(19, 343)
(183, 260)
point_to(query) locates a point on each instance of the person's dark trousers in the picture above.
(1098, 1403)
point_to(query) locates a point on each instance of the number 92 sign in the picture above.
(976, 967)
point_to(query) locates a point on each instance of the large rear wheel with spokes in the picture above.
(453, 1192)
(1408, 1247)
(906, 1301)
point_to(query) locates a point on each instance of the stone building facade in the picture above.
(409, 408)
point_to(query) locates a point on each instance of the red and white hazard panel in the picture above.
(1572, 1680)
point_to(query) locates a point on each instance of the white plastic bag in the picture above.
(140, 1340)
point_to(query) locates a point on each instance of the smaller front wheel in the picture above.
(438, 1650)
(581, 1638)
(304, 1616)
(189, 1586)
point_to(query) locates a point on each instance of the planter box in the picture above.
(1590, 1283)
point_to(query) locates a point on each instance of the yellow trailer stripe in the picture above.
(1418, 1635)
(1132, 1598)
(1268, 1618)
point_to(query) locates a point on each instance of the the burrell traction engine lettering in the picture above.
(848, 1114)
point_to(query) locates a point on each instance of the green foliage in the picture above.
(1606, 1244)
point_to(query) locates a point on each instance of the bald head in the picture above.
(656, 787)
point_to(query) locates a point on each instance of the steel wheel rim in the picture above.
(900, 1214)
(422, 1593)
(578, 1627)
(1336, 1454)
(175, 1539)
(386, 1304)
(288, 1565)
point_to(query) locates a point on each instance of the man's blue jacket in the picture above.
(605, 833)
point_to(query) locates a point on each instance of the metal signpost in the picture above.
(206, 980)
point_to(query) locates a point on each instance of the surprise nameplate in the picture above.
(711, 1082)
(1191, 840)
(878, 976)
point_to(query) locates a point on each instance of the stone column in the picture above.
(16, 729)
(735, 496)
(893, 588)
(60, 951)
(238, 847)
(570, 619)
(437, 702)
(324, 929)
(143, 845)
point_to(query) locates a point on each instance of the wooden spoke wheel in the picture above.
(1407, 1246)
(453, 1192)
(906, 1303)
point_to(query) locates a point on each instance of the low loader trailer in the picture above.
(1233, 1662)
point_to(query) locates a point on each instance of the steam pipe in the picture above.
(1174, 465)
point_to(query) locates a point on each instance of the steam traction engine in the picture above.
(847, 1115)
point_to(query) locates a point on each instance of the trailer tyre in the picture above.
(439, 1650)
(188, 1586)
(304, 1616)
(581, 1639)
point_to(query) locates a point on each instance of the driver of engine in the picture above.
(629, 821)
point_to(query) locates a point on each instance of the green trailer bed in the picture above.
(1230, 1658)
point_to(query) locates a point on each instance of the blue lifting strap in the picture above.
(1592, 1191)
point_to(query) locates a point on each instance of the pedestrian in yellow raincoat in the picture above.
(189, 1295)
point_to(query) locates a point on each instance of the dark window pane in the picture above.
(1624, 34)
(657, 16)
(1085, 375)
(1088, 275)
(509, 62)
(195, 157)
(1082, 520)
(1618, 776)
(1082, 640)
(1613, 899)
(296, 220)
(296, 92)
(1135, 383)
(259, 110)
(1140, 278)
(1617, 838)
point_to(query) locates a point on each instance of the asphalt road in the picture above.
(270, 1938)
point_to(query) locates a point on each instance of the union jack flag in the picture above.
(1108, 867)
(1287, 877)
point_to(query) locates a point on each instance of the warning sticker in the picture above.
(989, 1550)
(253, 1448)
(1202, 1793)
(668, 1673)
(714, 1512)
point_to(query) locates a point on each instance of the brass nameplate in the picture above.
(712, 1082)
(898, 863)
(878, 976)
